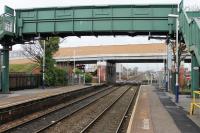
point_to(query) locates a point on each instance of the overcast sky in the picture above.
(83, 41)
(52, 3)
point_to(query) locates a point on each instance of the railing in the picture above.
(190, 29)
(6, 25)
(195, 102)
(1, 24)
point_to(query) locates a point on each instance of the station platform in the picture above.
(184, 103)
(23, 96)
(155, 112)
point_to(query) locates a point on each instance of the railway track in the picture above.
(111, 118)
(55, 115)
(84, 119)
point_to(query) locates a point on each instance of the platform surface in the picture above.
(19, 97)
(157, 112)
(184, 103)
(150, 115)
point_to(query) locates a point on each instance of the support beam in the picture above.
(110, 72)
(194, 73)
(5, 70)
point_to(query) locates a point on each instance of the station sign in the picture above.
(196, 68)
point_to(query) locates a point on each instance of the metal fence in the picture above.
(75, 79)
(19, 81)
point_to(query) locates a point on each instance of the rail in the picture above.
(87, 128)
(195, 103)
(55, 110)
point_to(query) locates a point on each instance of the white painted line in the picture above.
(146, 124)
(133, 113)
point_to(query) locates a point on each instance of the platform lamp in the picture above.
(167, 62)
(74, 67)
(176, 64)
(43, 65)
(43, 61)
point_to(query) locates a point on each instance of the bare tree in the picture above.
(182, 51)
(34, 52)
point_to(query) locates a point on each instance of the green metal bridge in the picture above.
(129, 20)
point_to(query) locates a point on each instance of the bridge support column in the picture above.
(5, 70)
(194, 73)
(111, 72)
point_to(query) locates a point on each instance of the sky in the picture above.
(104, 40)
(84, 41)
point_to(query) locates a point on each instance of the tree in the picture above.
(35, 50)
(182, 52)
(88, 78)
(35, 53)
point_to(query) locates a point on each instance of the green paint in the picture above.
(190, 29)
(194, 73)
(104, 20)
(6, 26)
(8, 10)
(94, 20)
(5, 70)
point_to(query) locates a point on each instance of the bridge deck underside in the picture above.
(119, 60)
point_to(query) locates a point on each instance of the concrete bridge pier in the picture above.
(110, 72)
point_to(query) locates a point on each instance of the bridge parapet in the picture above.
(7, 23)
(94, 20)
(190, 29)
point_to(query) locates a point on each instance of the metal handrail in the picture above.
(194, 104)
(186, 17)
(1, 22)
(6, 24)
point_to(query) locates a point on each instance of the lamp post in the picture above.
(100, 63)
(43, 67)
(74, 72)
(168, 60)
(167, 88)
(99, 73)
(176, 64)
